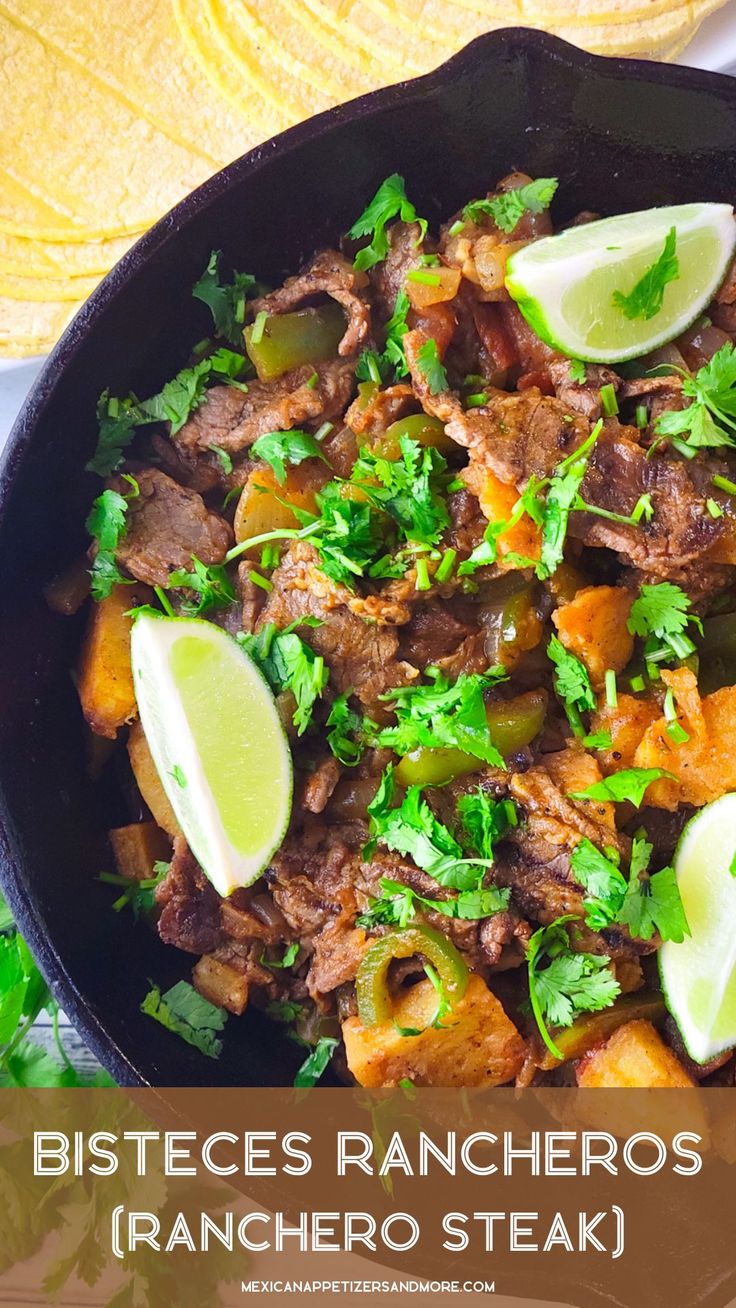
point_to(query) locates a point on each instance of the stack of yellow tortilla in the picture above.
(110, 113)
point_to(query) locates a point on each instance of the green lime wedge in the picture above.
(566, 285)
(699, 976)
(217, 742)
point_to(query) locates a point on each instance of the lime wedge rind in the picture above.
(564, 284)
(698, 976)
(229, 781)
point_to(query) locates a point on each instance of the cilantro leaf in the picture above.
(185, 1012)
(645, 299)
(653, 903)
(344, 735)
(278, 448)
(397, 905)
(284, 1010)
(600, 875)
(389, 202)
(563, 983)
(316, 1063)
(117, 423)
(106, 522)
(411, 828)
(507, 208)
(485, 820)
(396, 329)
(410, 489)
(431, 367)
(226, 301)
(628, 784)
(562, 497)
(211, 584)
(290, 956)
(661, 614)
(178, 398)
(578, 372)
(710, 419)
(442, 716)
(572, 684)
(288, 663)
(140, 895)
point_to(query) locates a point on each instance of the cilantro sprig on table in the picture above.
(289, 663)
(389, 202)
(710, 418)
(645, 299)
(442, 715)
(563, 983)
(508, 207)
(644, 903)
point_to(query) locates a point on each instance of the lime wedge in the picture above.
(699, 976)
(565, 284)
(218, 744)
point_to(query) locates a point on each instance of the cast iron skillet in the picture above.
(619, 135)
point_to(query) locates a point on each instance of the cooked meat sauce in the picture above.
(510, 599)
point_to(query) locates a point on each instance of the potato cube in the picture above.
(476, 1046)
(137, 847)
(105, 676)
(149, 782)
(635, 1056)
(221, 983)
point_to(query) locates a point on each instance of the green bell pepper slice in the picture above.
(290, 340)
(371, 983)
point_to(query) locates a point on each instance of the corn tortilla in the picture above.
(131, 172)
(69, 289)
(29, 323)
(135, 53)
(21, 257)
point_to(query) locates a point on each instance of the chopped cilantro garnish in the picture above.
(710, 418)
(630, 784)
(578, 372)
(661, 614)
(284, 1010)
(485, 820)
(288, 663)
(211, 585)
(226, 301)
(290, 956)
(185, 1012)
(562, 496)
(316, 1063)
(106, 521)
(507, 208)
(431, 367)
(345, 732)
(643, 903)
(389, 202)
(411, 828)
(223, 459)
(645, 299)
(140, 895)
(397, 904)
(442, 716)
(410, 489)
(572, 684)
(278, 448)
(563, 983)
(117, 423)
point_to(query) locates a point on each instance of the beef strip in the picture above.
(233, 419)
(405, 249)
(190, 906)
(433, 633)
(582, 397)
(361, 656)
(330, 274)
(166, 525)
(320, 784)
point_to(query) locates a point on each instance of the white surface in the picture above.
(713, 48)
